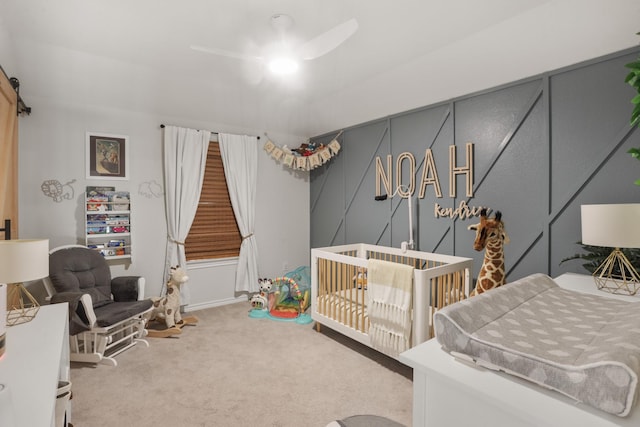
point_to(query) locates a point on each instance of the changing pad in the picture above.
(584, 346)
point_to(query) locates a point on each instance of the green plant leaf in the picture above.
(637, 182)
(595, 255)
(635, 115)
(633, 65)
(635, 152)
(633, 79)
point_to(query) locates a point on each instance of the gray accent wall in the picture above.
(542, 147)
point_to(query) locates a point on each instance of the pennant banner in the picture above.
(306, 157)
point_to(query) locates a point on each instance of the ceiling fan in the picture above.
(283, 55)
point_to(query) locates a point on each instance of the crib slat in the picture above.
(320, 285)
(343, 290)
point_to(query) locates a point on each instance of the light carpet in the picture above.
(365, 421)
(232, 370)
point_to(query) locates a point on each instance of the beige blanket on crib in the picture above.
(390, 290)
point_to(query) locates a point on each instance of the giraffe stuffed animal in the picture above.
(490, 236)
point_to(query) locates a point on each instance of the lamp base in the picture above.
(22, 307)
(624, 281)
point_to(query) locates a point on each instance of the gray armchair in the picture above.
(106, 316)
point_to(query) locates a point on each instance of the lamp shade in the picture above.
(23, 260)
(615, 225)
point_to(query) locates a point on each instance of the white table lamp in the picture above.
(22, 261)
(616, 226)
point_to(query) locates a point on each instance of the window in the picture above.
(214, 232)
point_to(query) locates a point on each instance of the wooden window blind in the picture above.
(214, 232)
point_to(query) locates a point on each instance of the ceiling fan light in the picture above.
(283, 66)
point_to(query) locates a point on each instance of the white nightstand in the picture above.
(36, 358)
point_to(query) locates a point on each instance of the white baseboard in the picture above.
(218, 303)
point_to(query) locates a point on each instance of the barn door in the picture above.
(8, 156)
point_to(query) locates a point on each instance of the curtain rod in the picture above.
(212, 133)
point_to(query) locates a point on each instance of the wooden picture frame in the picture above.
(107, 156)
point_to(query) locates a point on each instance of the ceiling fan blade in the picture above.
(228, 54)
(329, 40)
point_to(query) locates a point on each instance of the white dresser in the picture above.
(451, 393)
(36, 359)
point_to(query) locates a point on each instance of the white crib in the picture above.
(338, 287)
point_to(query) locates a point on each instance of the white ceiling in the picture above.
(135, 55)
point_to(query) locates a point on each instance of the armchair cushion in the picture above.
(124, 288)
(106, 314)
(78, 321)
(115, 312)
(81, 270)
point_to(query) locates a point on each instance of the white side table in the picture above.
(36, 358)
(585, 283)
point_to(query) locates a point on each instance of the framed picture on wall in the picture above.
(107, 156)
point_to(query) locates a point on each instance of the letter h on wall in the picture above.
(455, 170)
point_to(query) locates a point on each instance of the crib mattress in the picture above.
(584, 346)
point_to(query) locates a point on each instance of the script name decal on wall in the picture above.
(463, 211)
(429, 178)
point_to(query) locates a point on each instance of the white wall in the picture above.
(52, 148)
(6, 50)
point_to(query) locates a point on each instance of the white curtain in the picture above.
(185, 158)
(240, 160)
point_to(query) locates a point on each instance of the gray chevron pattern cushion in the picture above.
(584, 346)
